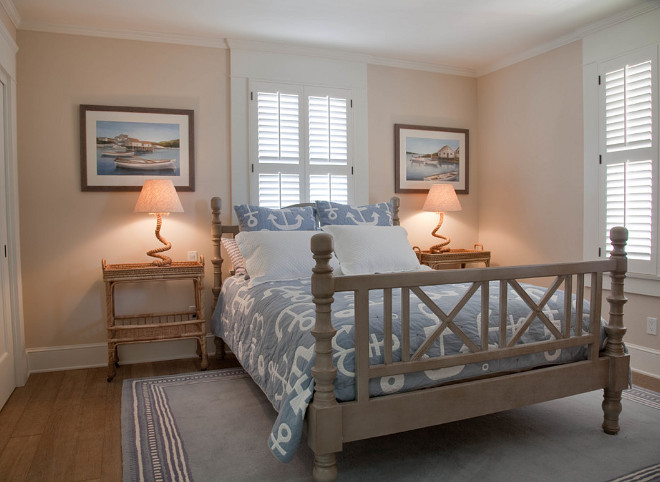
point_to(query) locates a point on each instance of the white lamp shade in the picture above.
(442, 198)
(158, 196)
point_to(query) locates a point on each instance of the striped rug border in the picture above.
(151, 446)
(647, 474)
(643, 396)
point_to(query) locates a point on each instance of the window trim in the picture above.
(647, 284)
(250, 62)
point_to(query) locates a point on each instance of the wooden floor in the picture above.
(65, 426)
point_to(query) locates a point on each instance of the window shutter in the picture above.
(328, 130)
(629, 203)
(278, 126)
(629, 107)
(300, 144)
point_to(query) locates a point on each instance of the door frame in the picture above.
(8, 50)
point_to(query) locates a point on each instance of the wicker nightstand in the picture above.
(454, 256)
(150, 327)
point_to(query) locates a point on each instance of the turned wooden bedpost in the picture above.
(324, 416)
(396, 203)
(216, 261)
(619, 361)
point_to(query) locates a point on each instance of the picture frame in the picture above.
(122, 147)
(424, 156)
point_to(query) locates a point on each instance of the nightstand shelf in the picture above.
(454, 257)
(152, 327)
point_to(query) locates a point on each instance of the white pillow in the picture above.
(278, 255)
(372, 249)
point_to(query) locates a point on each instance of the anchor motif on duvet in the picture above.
(286, 226)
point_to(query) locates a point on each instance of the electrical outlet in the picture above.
(193, 256)
(652, 326)
(193, 310)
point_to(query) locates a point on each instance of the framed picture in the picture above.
(121, 147)
(430, 155)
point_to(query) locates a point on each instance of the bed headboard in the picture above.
(218, 229)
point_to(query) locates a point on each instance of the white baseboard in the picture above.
(73, 357)
(644, 360)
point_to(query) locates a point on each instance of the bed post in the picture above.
(216, 260)
(396, 202)
(324, 413)
(619, 360)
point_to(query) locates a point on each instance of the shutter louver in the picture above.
(629, 107)
(328, 188)
(629, 203)
(278, 120)
(278, 190)
(328, 130)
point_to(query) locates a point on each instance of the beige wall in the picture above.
(531, 169)
(401, 96)
(65, 232)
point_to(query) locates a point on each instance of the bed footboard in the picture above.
(330, 423)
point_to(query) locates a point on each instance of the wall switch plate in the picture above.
(193, 256)
(652, 326)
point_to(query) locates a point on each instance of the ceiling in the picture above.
(470, 37)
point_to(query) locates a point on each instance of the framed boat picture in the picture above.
(424, 156)
(121, 147)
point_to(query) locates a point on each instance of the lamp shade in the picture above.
(442, 198)
(158, 196)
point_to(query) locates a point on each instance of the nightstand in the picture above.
(150, 327)
(454, 256)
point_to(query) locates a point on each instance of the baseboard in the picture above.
(645, 361)
(72, 357)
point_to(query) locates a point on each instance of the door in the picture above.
(7, 372)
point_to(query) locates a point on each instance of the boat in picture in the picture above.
(145, 164)
(117, 153)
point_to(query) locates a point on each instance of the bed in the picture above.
(346, 354)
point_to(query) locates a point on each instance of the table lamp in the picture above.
(441, 198)
(158, 196)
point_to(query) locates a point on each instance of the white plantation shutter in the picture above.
(328, 130)
(278, 126)
(628, 107)
(630, 203)
(629, 156)
(300, 145)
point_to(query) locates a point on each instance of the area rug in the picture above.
(213, 426)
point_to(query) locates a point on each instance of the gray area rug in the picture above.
(213, 426)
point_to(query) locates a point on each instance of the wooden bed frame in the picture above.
(330, 424)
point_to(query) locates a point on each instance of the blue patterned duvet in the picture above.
(268, 327)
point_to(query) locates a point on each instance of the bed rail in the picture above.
(568, 276)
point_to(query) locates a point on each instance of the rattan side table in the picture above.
(150, 327)
(454, 256)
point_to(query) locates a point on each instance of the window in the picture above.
(628, 157)
(300, 144)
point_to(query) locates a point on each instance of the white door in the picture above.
(7, 373)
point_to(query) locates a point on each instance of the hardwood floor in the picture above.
(65, 426)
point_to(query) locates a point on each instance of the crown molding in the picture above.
(294, 49)
(428, 67)
(13, 14)
(578, 34)
(126, 34)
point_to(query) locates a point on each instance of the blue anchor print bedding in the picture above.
(268, 327)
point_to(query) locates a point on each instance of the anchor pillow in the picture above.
(370, 215)
(258, 218)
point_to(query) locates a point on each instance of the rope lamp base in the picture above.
(441, 247)
(161, 260)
